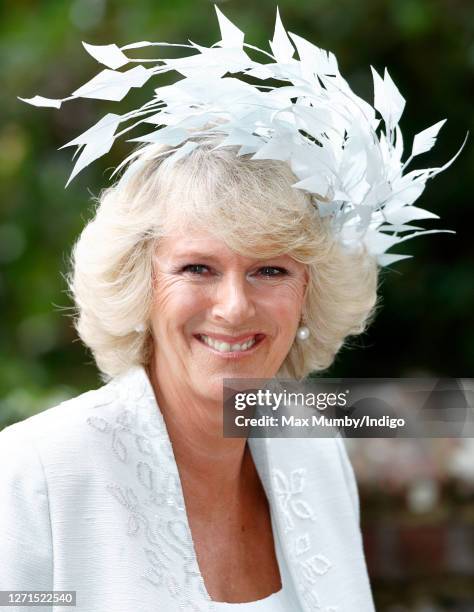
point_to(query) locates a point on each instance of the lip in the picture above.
(232, 339)
(232, 354)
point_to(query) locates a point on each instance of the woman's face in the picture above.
(218, 314)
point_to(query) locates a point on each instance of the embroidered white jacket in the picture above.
(91, 501)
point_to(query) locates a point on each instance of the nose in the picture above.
(233, 301)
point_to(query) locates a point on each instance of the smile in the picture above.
(230, 347)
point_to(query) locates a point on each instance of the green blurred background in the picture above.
(425, 326)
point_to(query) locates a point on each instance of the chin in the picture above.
(214, 388)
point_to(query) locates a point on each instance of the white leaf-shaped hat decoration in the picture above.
(332, 139)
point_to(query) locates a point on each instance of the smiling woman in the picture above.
(212, 268)
(218, 261)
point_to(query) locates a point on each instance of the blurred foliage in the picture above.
(425, 323)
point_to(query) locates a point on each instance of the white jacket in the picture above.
(91, 501)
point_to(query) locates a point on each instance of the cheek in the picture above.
(175, 302)
(284, 311)
(286, 300)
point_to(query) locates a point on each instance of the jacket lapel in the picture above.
(149, 488)
(282, 465)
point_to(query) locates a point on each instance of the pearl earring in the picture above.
(140, 328)
(302, 333)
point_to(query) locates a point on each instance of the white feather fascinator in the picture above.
(334, 141)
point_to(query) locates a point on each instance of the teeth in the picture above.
(225, 347)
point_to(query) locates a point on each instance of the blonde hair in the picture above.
(251, 205)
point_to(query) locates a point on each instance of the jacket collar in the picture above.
(172, 562)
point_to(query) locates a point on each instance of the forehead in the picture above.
(187, 241)
(194, 242)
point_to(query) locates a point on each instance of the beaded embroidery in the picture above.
(166, 536)
(295, 511)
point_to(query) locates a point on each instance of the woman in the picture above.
(134, 498)
(204, 262)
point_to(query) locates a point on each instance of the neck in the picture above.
(212, 468)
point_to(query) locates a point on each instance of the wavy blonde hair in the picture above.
(251, 205)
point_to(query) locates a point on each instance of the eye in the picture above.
(195, 269)
(272, 271)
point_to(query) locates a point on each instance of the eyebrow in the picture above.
(194, 255)
(203, 257)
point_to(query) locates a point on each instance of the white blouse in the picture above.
(276, 602)
(91, 501)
